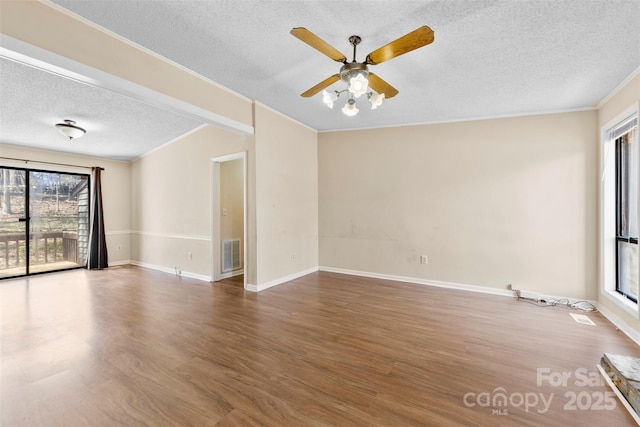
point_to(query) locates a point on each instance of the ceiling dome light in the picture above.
(376, 101)
(359, 84)
(350, 108)
(70, 130)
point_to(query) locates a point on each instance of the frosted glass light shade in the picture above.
(376, 100)
(350, 108)
(358, 85)
(70, 130)
(329, 98)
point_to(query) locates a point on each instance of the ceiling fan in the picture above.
(356, 74)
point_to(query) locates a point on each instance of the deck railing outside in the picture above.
(44, 247)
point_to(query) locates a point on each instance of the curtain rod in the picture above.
(49, 163)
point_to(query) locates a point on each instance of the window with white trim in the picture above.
(620, 210)
(626, 160)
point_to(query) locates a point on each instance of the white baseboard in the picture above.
(620, 324)
(169, 270)
(119, 263)
(625, 328)
(419, 281)
(448, 285)
(280, 280)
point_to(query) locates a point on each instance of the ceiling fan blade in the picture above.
(415, 39)
(380, 86)
(317, 43)
(323, 84)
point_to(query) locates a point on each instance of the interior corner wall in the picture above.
(489, 202)
(116, 193)
(286, 196)
(172, 200)
(621, 101)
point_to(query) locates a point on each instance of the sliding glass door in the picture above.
(44, 221)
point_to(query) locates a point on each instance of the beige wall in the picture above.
(617, 104)
(491, 203)
(232, 201)
(116, 192)
(287, 196)
(172, 191)
(626, 97)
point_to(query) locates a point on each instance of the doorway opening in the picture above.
(229, 218)
(44, 221)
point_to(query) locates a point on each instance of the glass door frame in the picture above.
(19, 219)
(27, 214)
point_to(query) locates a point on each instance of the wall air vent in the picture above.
(231, 255)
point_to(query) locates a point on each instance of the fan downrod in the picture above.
(355, 41)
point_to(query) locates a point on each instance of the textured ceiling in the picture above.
(490, 58)
(117, 126)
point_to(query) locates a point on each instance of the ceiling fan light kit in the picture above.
(70, 130)
(356, 74)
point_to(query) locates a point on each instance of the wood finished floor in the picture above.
(131, 346)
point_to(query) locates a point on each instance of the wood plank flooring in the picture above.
(131, 346)
(235, 280)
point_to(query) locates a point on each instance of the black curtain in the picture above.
(97, 258)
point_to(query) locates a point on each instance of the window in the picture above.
(627, 156)
(619, 216)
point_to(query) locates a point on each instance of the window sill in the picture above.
(625, 304)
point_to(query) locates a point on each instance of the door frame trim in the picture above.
(216, 267)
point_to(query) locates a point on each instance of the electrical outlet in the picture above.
(190, 254)
(119, 247)
(424, 259)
